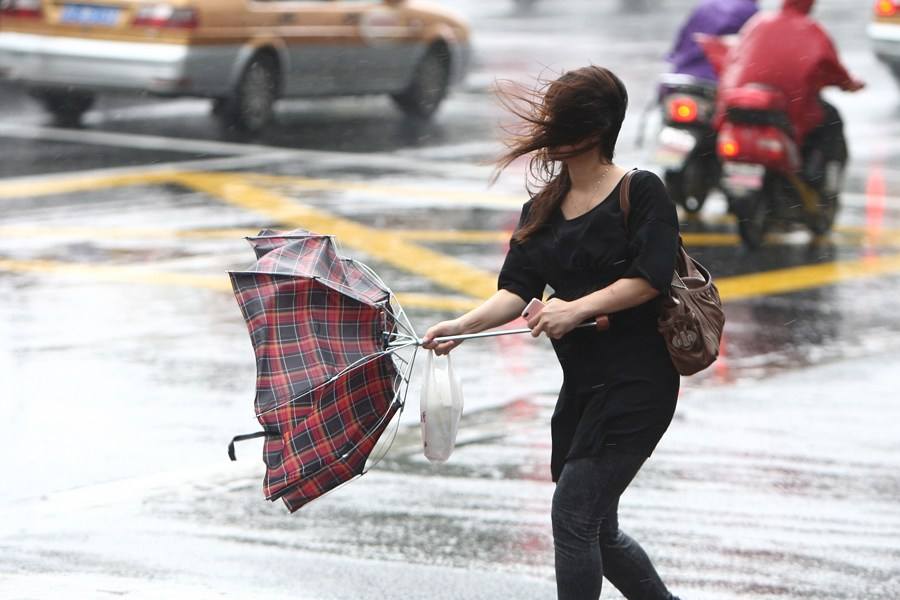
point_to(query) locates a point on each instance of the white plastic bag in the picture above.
(441, 405)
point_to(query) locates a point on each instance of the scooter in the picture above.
(686, 145)
(763, 170)
(765, 176)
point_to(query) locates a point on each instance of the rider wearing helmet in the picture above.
(711, 17)
(790, 52)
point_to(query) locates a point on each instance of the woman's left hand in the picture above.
(556, 319)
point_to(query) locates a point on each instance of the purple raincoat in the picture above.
(713, 17)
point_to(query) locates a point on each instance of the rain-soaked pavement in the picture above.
(125, 367)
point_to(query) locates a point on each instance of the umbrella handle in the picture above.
(249, 436)
(600, 324)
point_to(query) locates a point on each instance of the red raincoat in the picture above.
(791, 52)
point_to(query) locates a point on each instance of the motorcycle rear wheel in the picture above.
(821, 223)
(753, 220)
(688, 187)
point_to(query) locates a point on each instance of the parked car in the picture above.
(884, 31)
(242, 54)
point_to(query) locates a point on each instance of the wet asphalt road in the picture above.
(125, 367)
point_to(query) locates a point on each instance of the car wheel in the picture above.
(752, 214)
(429, 85)
(251, 106)
(67, 107)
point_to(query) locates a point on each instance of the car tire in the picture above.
(251, 106)
(429, 85)
(67, 107)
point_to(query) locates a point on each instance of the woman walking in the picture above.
(620, 387)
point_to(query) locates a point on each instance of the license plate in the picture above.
(673, 147)
(86, 14)
(743, 177)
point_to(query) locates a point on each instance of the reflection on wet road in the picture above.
(125, 367)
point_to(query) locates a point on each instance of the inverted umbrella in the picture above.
(328, 336)
(334, 353)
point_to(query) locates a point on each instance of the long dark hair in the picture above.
(583, 109)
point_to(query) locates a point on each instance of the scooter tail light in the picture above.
(30, 9)
(164, 16)
(887, 8)
(728, 147)
(683, 110)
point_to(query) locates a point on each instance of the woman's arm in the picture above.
(621, 295)
(559, 317)
(497, 310)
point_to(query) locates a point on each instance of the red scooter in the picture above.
(763, 172)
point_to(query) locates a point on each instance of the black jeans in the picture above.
(586, 535)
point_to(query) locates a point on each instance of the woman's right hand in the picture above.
(444, 328)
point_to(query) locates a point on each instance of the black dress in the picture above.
(619, 386)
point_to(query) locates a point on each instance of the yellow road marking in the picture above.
(454, 237)
(447, 304)
(117, 274)
(28, 187)
(389, 247)
(396, 191)
(381, 245)
(740, 287)
(32, 187)
(136, 233)
(121, 233)
(851, 236)
(710, 239)
(795, 279)
(218, 283)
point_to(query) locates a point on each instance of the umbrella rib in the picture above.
(401, 320)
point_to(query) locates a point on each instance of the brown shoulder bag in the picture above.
(691, 318)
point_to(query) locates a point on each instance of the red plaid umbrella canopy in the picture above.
(327, 381)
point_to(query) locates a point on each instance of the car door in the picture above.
(315, 38)
(383, 46)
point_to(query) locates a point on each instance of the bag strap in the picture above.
(625, 195)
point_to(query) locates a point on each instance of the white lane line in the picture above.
(129, 140)
(170, 109)
(326, 158)
(207, 164)
(454, 151)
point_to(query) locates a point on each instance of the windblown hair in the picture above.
(580, 111)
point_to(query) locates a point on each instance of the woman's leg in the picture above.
(626, 565)
(587, 489)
